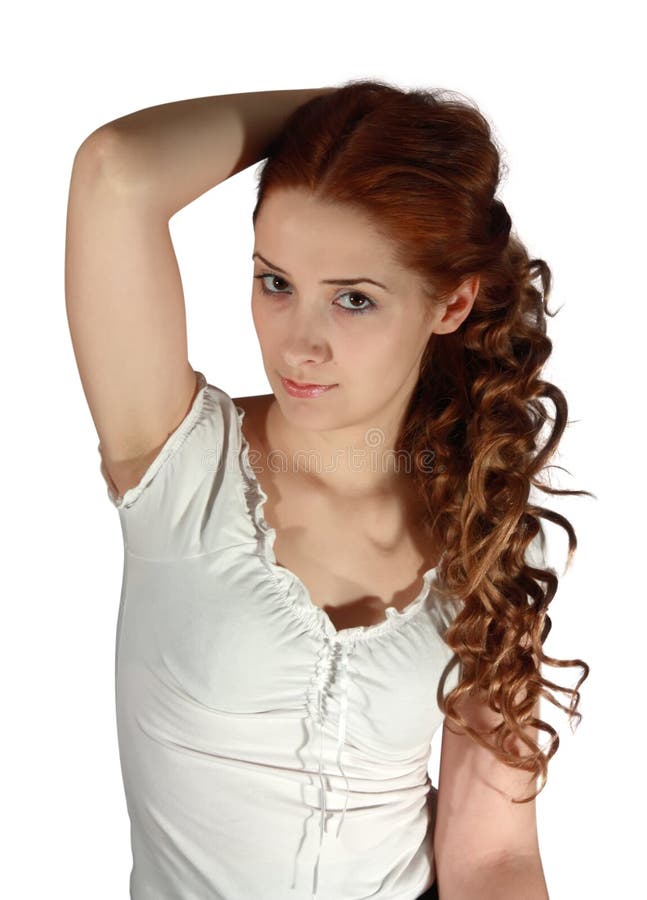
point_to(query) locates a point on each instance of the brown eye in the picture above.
(264, 288)
(357, 295)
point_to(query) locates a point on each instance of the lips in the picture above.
(305, 391)
(304, 384)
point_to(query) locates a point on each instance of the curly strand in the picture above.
(425, 169)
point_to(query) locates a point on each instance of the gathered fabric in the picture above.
(264, 752)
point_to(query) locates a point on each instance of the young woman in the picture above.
(317, 578)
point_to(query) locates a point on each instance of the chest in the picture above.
(355, 558)
(354, 562)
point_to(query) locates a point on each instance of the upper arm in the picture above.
(125, 310)
(475, 818)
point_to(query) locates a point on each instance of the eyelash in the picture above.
(353, 312)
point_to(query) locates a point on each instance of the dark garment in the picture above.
(431, 893)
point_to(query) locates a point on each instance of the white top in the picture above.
(263, 752)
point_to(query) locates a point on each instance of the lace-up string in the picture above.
(333, 659)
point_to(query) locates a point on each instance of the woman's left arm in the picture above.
(486, 847)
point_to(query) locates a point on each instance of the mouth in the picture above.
(305, 384)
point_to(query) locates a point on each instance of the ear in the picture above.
(459, 305)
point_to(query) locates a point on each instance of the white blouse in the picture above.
(264, 753)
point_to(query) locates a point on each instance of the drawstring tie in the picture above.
(327, 665)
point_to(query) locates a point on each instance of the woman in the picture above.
(293, 631)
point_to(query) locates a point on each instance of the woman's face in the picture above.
(365, 338)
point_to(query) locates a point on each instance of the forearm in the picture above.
(177, 151)
(514, 879)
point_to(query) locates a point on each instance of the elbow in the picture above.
(105, 155)
(505, 878)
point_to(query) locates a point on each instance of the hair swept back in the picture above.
(424, 167)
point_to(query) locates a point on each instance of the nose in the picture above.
(306, 342)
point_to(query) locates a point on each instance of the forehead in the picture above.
(293, 227)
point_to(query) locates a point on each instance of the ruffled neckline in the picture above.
(301, 603)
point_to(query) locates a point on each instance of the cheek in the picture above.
(264, 322)
(388, 356)
(388, 348)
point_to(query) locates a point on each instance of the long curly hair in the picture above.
(424, 167)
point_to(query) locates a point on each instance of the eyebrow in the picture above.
(341, 281)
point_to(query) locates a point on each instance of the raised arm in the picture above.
(123, 290)
(178, 151)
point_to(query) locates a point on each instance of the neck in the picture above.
(350, 469)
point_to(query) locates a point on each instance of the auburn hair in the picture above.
(424, 167)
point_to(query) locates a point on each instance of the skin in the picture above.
(306, 334)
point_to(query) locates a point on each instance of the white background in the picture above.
(563, 85)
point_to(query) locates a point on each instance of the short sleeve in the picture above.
(183, 500)
(170, 447)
